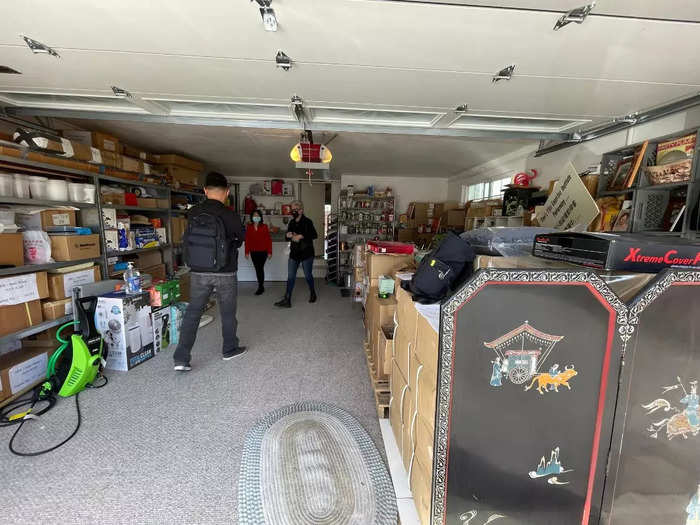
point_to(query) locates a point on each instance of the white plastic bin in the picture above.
(89, 193)
(22, 183)
(76, 192)
(38, 186)
(57, 190)
(7, 185)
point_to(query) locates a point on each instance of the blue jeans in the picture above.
(293, 267)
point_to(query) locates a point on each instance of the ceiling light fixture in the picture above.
(577, 15)
(504, 74)
(37, 47)
(268, 15)
(9, 71)
(283, 61)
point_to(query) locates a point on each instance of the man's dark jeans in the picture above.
(293, 267)
(201, 287)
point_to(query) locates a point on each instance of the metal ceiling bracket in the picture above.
(504, 74)
(297, 107)
(462, 108)
(38, 48)
(6, 70)
(121, 93)
(149, 105)
(577, 16)
(283, 61)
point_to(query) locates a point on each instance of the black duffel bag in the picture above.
(440, 271)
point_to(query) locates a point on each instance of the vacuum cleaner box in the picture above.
(611, 251)
(161, 328)
(22, 369)
(126, 327)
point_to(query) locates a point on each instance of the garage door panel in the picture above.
(387, 34)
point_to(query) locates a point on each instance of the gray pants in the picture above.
(201, 287)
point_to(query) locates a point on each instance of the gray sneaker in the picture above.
(182, 368)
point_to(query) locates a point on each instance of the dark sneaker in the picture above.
(284, 303)
(235, 353)
(313, 297)
(260, 290)
(182, 368)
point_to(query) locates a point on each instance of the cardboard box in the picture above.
(421, 489)
(131, 164)
(75, 247)
(178, 160)
(161, 328)
(147, 203)
(455, 218)
(183, 175)
(111, 159)
(405, 335)
(423, 435)
(42, 219)
(426, 348)
(407, 234)
(61, 284)
(407, 429)
(105, 142)
(56, 309)
(20, 316)
(384, 264)
(418, 212)
(137, 153)
(21, 370)
(126, 325)
(178, 226)
(157, 271)
(163, 203)
(147, 259)
(484, 208)
(115, 199)
(398, 387)
(11, 249)
(385, 349)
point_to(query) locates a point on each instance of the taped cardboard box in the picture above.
(384, 264)
(130, 164)
(137, 153)
(183, 175)
(20, 316)
(75, 247)
(20, 301)
(21, 370)
(39, 219)
(178, 160)
(11, 249)
(52, 310)
(156, 272)
(147, 203)
(148, 259)
(61, 284)
(105, 142)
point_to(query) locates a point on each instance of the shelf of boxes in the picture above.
(31, 268)
(37, 328)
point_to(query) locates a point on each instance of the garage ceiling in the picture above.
(358, 65)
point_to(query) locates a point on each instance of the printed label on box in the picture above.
(109, 145)
(60, 219)
(96, 156)
(26, 374)
(71, 280)
(18, 289)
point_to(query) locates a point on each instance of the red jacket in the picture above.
(257, 241)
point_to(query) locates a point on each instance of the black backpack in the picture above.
(205, 243)
(443, 269)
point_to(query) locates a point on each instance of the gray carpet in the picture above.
(158, 447)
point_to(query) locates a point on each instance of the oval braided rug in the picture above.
(312, 463)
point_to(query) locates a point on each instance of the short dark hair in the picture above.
(215, 180)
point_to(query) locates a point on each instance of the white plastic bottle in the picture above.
(132, 279)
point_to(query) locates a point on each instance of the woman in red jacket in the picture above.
(258, 245)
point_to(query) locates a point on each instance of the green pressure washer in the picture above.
(83, 361)
(74, 366)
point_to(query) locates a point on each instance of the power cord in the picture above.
(7, 420)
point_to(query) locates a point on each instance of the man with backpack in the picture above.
(211, 241)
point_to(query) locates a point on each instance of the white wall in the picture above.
(406, 189)
(553, 165)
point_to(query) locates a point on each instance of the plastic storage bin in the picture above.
(7, 185)
(57, 190)
(89, 193)
(76, 192)
(38, 186)
(22, 183)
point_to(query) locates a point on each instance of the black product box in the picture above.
(610, 251)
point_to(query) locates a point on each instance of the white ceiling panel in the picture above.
(369, 33)
(264, 153)
(183, 78)
(662, 10)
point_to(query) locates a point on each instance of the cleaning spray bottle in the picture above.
(132, 279)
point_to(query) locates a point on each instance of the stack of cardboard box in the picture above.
(20, 301)
(413, 386)
(182, 171)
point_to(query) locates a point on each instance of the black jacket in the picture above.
(232, 222)
(303, 249)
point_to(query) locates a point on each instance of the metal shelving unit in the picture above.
(138, 208)
(650, 202)
(38, 202)
(139, 250)
(30, 268)
(37, 328)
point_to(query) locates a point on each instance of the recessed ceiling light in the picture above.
(577, 15)
(268, 15)
(283, 61)
(9, 71)
(504, 74)
(37, 47)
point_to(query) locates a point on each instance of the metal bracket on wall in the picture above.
(504, 74)
(577, 16)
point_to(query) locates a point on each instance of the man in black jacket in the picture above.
(224, 281)
(301, 234)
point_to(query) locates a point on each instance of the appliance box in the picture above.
(609, 251)
(161, 328)
(126, 327)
